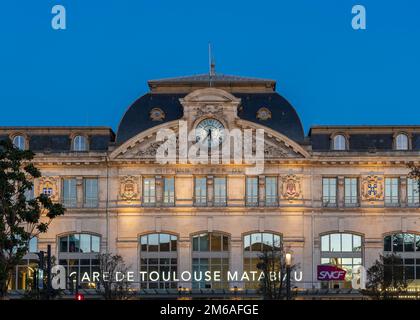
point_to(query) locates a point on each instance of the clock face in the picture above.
(210, 132)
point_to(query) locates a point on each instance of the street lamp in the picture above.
(288, 260)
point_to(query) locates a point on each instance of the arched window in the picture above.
(159, 253)
(343, 250)
(78, 253)
(19, 142)
(79, 143)
(407, 246)
(33, 245)
(254, 245)
(210, 253)
(339, 142)
(401, 142)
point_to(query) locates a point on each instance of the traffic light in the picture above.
(79, 297)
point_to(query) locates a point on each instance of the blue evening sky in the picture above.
(91, 72)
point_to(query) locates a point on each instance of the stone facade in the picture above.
(299, 214)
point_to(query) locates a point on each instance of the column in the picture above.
(340, 191)
(403, 191)
(159, 190)
(210, 190)
(184, 261)
(79, 192)
(261, 191)
(236, 262)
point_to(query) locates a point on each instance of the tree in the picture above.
(273, 266)
(21, 218)
(111, 287)
(385, 278)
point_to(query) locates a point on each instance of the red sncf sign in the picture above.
(331, 273)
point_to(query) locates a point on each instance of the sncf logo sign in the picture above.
(331, 273)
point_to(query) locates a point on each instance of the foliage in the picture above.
(385, 278)
(273, 265)
(110, 287)
(21, 218)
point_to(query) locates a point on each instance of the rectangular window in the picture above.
(149, 191)
(350, 192)
(413, 195)
(329, 192)
(91, 192)
(252, 191)
(271, 191)
(391, 191)
(200, 191)
(219, 191)
(169, 191)
(69, 193)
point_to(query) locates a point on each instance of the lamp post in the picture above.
(288, 261)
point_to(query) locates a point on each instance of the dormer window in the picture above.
(79, 143)
(339, 143)
(19, 142)
(401, 142)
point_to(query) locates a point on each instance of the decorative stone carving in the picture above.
(209, 110)
(157, 114)
(372, 188)
(129, 188)
(49, 186)
(291, 188)
(150, 150)
(263, 114)
(275, 152)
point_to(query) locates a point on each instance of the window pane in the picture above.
(153, 242)
(397, 242)
(346, 240)
(200, 191)
(69, 193)
(325, 243)
(335, 242)
(216, 242)
(169, 191)
(251, 191)
(149, 191)
(33, 244)
(164, 242)
(357, 243)
(220, 191)
(408, 242)
(271, 191)
(84, 243)
(91, 192)
(64, 244)
(74, 243)
(204, 242)
(95, 244)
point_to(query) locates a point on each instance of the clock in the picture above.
(210, 131)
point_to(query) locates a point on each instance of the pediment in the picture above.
(144, 146)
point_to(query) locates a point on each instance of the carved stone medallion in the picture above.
(49, 187)
(372, 188)
(157, 114)
(129, 187)
(263, 114)
(291, 188)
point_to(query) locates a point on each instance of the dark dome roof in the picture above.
(284, 118)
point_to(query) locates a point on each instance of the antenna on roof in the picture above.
(212, 66)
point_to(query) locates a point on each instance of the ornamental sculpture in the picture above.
(291, 188)
(49, 187)
(157, 114)
(263, 114)
(129, 188)
(372, 188)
